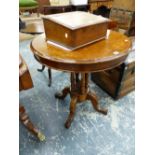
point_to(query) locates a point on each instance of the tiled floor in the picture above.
(91, 133)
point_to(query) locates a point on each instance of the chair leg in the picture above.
(40, 70)
(49, 76)
(24, 118)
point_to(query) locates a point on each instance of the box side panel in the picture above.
(115, 88)
(114, 74)
(103, 81)
(57, 33)
(89, 34)
(124, 92)
(128, 82)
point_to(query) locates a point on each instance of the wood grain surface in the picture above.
(98, 56)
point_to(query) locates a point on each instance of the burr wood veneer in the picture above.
(95, 57)
(75, 29)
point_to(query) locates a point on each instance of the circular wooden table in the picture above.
(99, 56)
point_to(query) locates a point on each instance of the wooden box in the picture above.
(119, 81)
(73, 30)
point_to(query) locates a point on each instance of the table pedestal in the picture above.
(79, 92)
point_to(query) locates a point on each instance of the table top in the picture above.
(98, 56)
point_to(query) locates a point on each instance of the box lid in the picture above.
(76, 19)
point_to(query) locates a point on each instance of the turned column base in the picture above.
(79, 93)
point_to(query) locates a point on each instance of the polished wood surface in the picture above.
(79, 92)
(73, 39)
(69, 27)
(101, 55)
(118, 81)
(76, 19)
(25, 82)
(98, 56)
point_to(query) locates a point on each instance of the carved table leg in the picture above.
(93, 98)
(40, 70)
(72, 111)
(63, 94)
(24, 118)
(79, 93)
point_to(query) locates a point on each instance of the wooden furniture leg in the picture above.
(72, 112)
(24, 118)
(43, 67)
(63, 94)
(50, 77)
(93, 98)
(79, 93)
(49, 74)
